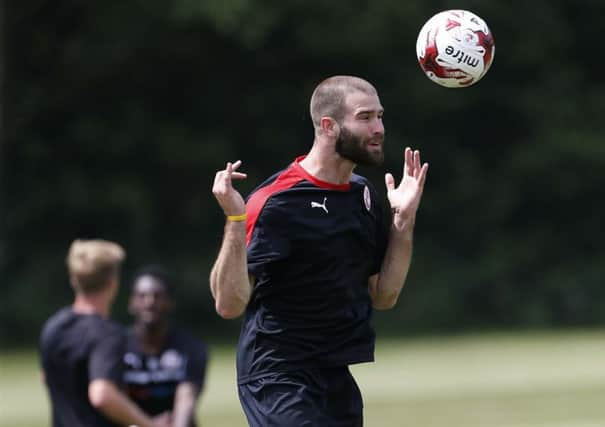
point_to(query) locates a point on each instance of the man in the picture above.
(308, 256)
(79, 345)
(165, 366)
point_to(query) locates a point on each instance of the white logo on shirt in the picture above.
(131, 359)
(171, 359)
(320, 205)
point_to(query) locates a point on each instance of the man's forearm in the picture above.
(114, 404)
(385, 289)
(184, 405)
(229, 281)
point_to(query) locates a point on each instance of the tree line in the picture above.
(115, 117)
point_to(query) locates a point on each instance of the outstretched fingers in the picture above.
(228, 170)
(236, 175)
(416, 164)
(412, 168)
(222, 180)
(422, 175)
(227, 196)
(407, 162)
(412, 165)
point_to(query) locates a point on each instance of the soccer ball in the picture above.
(455, 48)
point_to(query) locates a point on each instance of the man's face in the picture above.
(149, 302)
(361, 137)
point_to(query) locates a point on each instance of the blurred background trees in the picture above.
(116, 115)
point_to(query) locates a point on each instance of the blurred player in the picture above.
(78, 346)
(165, 366)
(308, 256)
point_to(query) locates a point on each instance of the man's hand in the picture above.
(228, 198)
(163, 420)
(405, 198)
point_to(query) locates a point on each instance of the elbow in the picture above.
(100, 394)
(231, 304)
(385, 303)
(229, 311)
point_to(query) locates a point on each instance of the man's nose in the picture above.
(378, 127)
(149, 300)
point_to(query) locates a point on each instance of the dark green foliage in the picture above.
(116, 115)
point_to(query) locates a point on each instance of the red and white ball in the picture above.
(455, 48)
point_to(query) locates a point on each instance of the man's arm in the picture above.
(185, 399)
(108, 399)
(229, 281)
(385, 287)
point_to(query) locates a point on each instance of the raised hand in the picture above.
(405, 198)
(229, 199)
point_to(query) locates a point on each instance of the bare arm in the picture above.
(107, 398)
(229, 281)
(385, 287)
(185, 400)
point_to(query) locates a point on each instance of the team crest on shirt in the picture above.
(367, 199)
(171, 359)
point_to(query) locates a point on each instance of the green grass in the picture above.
(497, 380)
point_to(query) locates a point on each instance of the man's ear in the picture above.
(329, 127)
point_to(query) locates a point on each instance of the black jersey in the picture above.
(311, 247)
(75, 350)
(151, 380)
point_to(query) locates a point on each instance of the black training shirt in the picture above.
(151, 379)
(311, 247)
(75, 350)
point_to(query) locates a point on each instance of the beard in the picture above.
(355, 148)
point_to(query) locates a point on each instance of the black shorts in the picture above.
(326, 397)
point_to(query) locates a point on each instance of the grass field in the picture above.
(497, 380)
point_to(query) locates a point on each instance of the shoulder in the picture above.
(104, 334)
(58, 318)
(108, 327)
(283, 180)
(359, 180)
(267, 182)
(107, 336)
(55, 323)
(371, 198)
(361, 183)
(259, 202)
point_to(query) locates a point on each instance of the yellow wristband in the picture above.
(237, 218)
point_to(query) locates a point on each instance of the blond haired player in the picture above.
(80, 348)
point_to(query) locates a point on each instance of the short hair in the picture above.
(329, 97)
(92, 264)
(156, 271)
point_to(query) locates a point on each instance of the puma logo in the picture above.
(320, 205)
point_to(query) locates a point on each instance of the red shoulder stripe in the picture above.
(255, 204)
